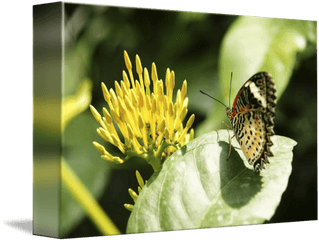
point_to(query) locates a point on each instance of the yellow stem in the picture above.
(87, 201)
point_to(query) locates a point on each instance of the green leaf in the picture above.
(254, 44)
(197, 187)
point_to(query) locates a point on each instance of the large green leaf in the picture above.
(197, 187)
(254, 44)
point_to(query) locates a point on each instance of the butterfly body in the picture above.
(251, 118)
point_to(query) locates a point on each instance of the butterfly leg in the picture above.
(230, 138)
(220, 127)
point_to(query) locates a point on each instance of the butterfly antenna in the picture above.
(231, 78)
(212, 98)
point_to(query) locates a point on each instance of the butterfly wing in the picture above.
(252, 118)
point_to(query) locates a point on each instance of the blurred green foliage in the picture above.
(95, 175)
(193, 45)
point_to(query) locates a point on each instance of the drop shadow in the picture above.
(25, 225)
(239, 184)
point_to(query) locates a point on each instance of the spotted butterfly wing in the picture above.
(252, 118)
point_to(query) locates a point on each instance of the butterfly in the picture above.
(252, 118)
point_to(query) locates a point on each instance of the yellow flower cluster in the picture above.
(151, 125)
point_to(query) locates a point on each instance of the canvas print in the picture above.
(149, 120)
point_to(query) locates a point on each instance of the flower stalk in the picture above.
(87, 201)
